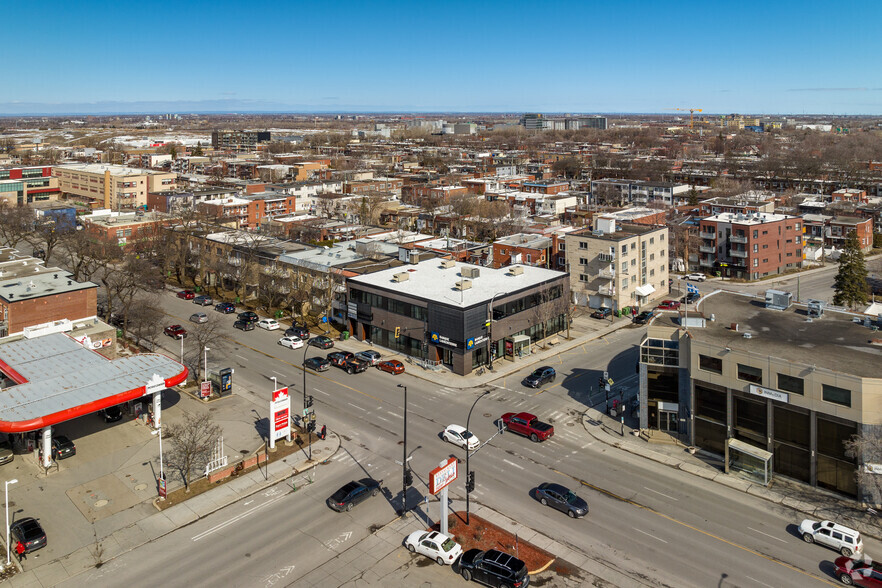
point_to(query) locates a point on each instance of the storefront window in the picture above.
(710, 404)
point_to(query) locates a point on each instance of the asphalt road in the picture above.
(657, 524)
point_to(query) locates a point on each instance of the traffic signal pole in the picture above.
(468, 452)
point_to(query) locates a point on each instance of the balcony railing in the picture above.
(707, 249)
(738, 253)
(737, 238)
(606, 290)
(607, 273)
(706, 262)
(704, 235)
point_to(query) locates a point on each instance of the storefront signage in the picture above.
(442, 476)
(479, 340)
(280, 409)
(352, 309)
(769, 393)
(470, 343)
(873, 468)
(442, 340)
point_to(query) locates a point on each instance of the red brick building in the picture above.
(839, 227)
(750, 246)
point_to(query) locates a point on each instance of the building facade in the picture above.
(237, 141)
(112, 186)
(750, 246)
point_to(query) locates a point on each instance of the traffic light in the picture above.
(601, 382)
(397, 332)
(470, 484)
(408, 478)
(310, 426)
(308, 401)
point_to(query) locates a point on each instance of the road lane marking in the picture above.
(661, 493)
(395, 414)
(648, 535)
(321, 392)
(758, 582)
(242, 356)
(511, 463)
(767, 535)
(236, 518)
(384, 419)
(356, 406)
(281, 374)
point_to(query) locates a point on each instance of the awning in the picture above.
(644, 290)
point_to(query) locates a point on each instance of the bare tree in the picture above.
(145, 321)
(550, 303)
(16, 223)
(191, 440)
(866, 448)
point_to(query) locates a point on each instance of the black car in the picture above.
(29, 532)
(540, 376)
(352, 494)
(203, 300)
(691, 297)
(244, 325)
(338, 358)
(318, 364)
(493, 568)
(321, 342)
(602, 313)
(225, 307)
(111, 414)
(643, 317)
(297, 331)
(62, 447)
(354, 365)
(248, 316)
(561, 498)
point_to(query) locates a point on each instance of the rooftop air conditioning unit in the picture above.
(401, 277)
(463, 285)
(470, 272)
(447, 263)
(516, 270)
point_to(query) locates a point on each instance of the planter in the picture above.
(691, 450)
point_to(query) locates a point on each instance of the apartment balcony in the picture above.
(706, 262)
(607, 273)
(707, 249)
(738, 253)
(607, 290)
(738, 239)
(704, 235)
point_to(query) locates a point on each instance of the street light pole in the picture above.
(205, 364)
(468, 452)
(303, 368)
(404, 458)
(8, 482)
(182, 352)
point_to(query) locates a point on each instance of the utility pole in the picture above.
(468, 451)
(404, 458)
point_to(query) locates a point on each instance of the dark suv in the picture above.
(354, 365)
(540, 376)
(248, 316)
(297, 331)
(602, 313)
(493, 568)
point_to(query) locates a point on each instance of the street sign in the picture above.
(163, 492)
(610, 381)
(442, 476)
(205, 390)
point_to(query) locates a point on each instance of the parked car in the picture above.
(7, 455)
(459, 435)
(691, 298)
(493, 568)
(393, 366)
(669, 305)
(175, 331)
(249, 316)
(111, 414)
(858, 572)
(203, 300)
(268, 324)
(602, 313)
(561, 498)
(338, 358)
(225, 307)
(696, 277)
(62, 447)
(186, 294)
(543, 375)
(318, 364)
(527, 425)
(372, 357)
(643, 317)
(321, 342)
(844, 540)
(435, 545)
(291, 342)
(198, 317)
(354, 365)
(29, 532)
(353, 494)
(243, 325)
(297, 331)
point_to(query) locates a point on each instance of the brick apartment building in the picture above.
(125, 229)
(545, 187)
(373, 186)
(237, 141)
(524, 248)
(750, 246)
(112, 186)
(251, 210)
(839, 227)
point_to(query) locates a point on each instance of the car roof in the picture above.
(524, 415)
(503, 559)
(457, 428)
(554, 487)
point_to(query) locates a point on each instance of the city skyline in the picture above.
(580, 57)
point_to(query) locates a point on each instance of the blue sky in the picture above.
(614, 56)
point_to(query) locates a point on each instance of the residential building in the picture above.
(609, 190)
(750, 246)
(237, 141)
(850, 195)
(839, 227)
(125, 229)
(617, 266)
(545, 187)
(112, 186)
(250, 211)
(746, 203)
(465, 129)
(25, 185)
(523, 248)
(177, 202)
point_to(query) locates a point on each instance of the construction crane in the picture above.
(692, 112)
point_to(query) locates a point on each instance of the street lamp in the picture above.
(205, 364)
(404, 457)
(182, 350)
(490, 329)
(468, 452)
(8, 482)
(306, 347)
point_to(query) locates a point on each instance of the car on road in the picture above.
(602, 313)
(838, 537)
(318, 364)
(643, 317)
(691, 298)
(435, 545)
(459, 435)
(291, 342)
(297, 331)
(186, 294)
(322, 342)
(338, 358)
(62, 447)
(268, 324)
(493, 568)
(7, 455)
(198, 317)
(543, 375)
(527, 425)
(203, 300)
(353, 365)
(225, 307)
(561, 498)
(696, 277)
(393, 366)
(372, 357)
(669, 305)
(175, 331)
(243, 325)
(353, 494)
(29, 532)
(111, 414)
(858, 572)
(249, 316)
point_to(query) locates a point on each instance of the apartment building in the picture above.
(746, 203)
(178, 202)
(750, 246)
(237, 141)
(545, 187)
(251, 210)
(839, 227)
(617, 266)
(523, 248)
(115, 187)
(374, 185)
(639, 191)
(125, 229)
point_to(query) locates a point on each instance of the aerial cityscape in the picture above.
(402, 295)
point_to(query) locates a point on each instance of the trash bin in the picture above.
(279, 314)
(344, 335)
(238, 300)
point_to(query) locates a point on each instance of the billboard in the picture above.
(442, 476)
(280, 415)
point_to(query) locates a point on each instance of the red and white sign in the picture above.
(205, 390)
(281, 422)
(442, 476)
(280, 395)
(280, 415)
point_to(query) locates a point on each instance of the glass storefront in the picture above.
(835, 469)
(792, 445)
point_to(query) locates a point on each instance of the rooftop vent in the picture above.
(516, 270)
(470, 272)
(401, 277)
(447, 263)
(463, 285)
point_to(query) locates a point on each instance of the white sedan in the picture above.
(460, 436)
(291, 342)
(441, 548)
(268, 324)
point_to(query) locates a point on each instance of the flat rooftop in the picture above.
(29, 279)
(834, 342)
(115, 170)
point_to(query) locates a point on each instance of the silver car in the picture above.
(199, 317)
(372, 357)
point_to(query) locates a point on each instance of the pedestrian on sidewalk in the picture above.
(20, 551)
(323, 433)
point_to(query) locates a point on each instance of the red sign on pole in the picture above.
(442, 476)
(205, 390)
(281, 419)
(280, 394)
(162, 489)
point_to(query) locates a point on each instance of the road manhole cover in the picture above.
(487, 415)
(571, 424)
(317, 451)
(100, 503)
(140, 487)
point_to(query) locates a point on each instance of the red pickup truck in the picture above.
(527, 425)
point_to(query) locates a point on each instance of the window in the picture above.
(633, 246)
(584, 278)
(583, 245)
(749, 373)
(529, 258)
(755, 262)
(652, 240)
(652, 273)
(755, 248)
(652, 257)
(710, 364)
(755, 234)
(836, 395)
(624, 283)
(561, 247)
(625, 249)
(583, 261)
(662, 254)
(662, 237)
(791, 384)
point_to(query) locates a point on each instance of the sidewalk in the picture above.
(813, 502)
(162, 523)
